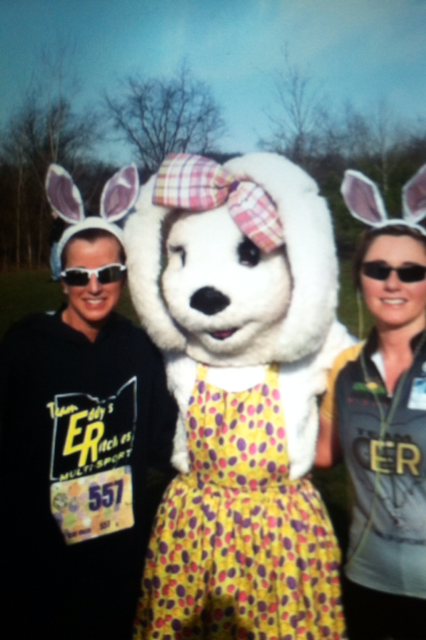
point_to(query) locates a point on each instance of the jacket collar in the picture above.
(372, 344)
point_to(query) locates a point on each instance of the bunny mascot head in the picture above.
(232, 294)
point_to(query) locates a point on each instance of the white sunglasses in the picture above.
(80, 276)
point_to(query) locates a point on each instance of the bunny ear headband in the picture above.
(365, 203)
(195, 183)
(118, 197)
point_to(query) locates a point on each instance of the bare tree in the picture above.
(415, 145)
(356, 133)
(44, 129)
(43, 133)
(159, 116)
(374, 139)
(297, 116)
(387, 138)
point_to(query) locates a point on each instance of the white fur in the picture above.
(283, 308)
(310, 250)
(309, 245)
(144, 258)
(259, 295)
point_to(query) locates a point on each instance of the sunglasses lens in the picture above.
(76, 278)
(376, 270)
(415, 273)
(110, 274)
(379, 271)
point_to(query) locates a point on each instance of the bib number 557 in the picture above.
(105, 495)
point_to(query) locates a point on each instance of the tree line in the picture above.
(179, 113)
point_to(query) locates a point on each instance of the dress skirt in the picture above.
(239, 550)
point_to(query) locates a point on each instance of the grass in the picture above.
(24, 292)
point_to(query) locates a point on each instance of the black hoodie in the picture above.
(72, 410)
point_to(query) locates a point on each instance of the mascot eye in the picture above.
(248, 253)
(181, 251)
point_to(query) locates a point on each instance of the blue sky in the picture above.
(357, 50)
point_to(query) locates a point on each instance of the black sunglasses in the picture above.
(80, 277)
(380, 271)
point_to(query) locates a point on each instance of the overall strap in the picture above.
(202, 370)
(272, 375)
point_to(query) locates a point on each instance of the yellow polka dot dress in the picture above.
(238, 549)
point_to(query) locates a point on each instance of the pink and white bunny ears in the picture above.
(365, 203)
(118, 197)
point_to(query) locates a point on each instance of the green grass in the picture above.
(23, 292)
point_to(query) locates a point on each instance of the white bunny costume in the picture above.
(251, 280)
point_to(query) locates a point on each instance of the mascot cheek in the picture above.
(268, 290)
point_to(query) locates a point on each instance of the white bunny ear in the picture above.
(363, 198)
(120, 193)
(414, 197)
(63, 195)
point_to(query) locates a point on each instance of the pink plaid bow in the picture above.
(186, 181)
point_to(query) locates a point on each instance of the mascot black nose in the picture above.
(209, 301)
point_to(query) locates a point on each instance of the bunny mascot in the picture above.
(243, 305)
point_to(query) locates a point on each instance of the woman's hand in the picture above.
(329, 451)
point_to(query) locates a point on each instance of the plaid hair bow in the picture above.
(195, 183)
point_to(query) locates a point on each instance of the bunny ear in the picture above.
(63, 195)
(363, 198)
(414, 197)
(120, 193)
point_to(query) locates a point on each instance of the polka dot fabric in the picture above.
(238, 549)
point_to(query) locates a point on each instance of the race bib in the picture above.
(417, 399)
(90, 471)
(93, 505)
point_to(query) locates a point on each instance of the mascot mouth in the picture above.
(223, 335)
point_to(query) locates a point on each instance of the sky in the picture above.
(361, 51)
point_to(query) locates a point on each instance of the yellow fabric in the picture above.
(328, 408)
(239, 550)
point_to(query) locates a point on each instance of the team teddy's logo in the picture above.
(91, 434)
(91, 490)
